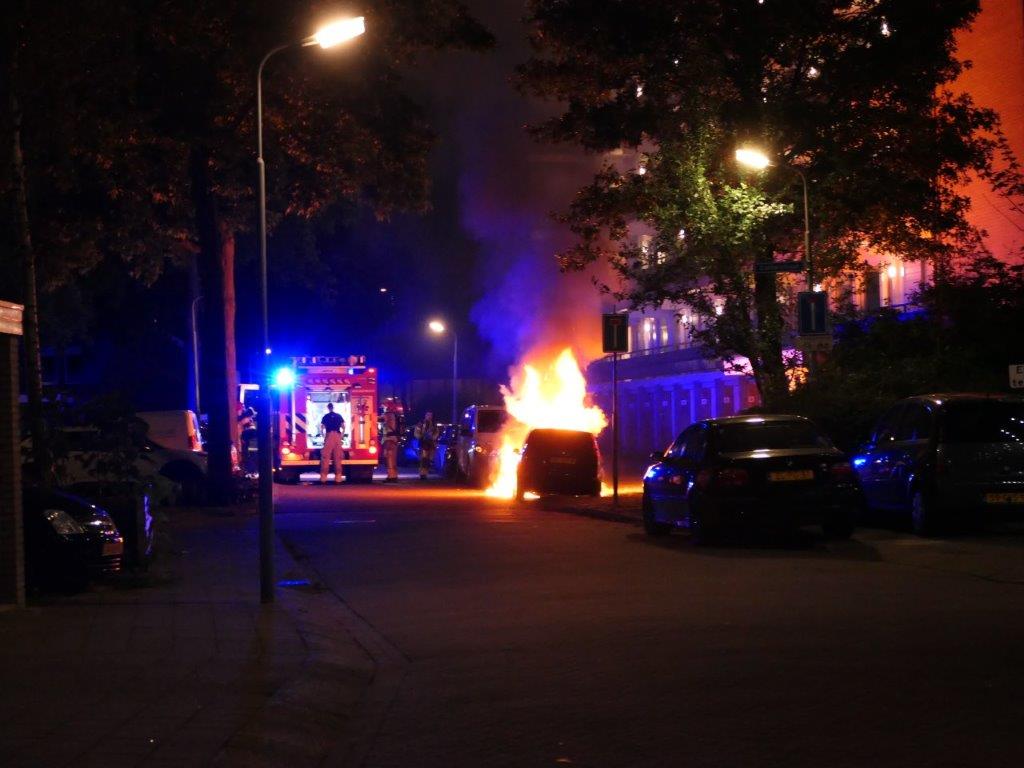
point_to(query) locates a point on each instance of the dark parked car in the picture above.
(67, 539)
(561, 461)
(946, 459)
(750, 470)
(130, 506)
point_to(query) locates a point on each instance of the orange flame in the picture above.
(545, 395)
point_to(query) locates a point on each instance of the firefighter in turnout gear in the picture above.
(391, 446)
(426, 433)
(332, 425)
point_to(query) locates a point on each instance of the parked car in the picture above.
(67, 539)
(479, 441)
(944, 460)
(131, 507)
(559, 461)
(750, 470)
(444, 453)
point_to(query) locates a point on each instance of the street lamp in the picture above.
(327, 36)
(758, 160)
(439, 328)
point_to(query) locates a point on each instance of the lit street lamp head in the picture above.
(436, 326)
(337, 32)
(752, 158)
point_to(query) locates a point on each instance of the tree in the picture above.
(143, 139)
(338, 129)
(74, 144)
(855, 95)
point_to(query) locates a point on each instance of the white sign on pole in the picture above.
(1017, 377)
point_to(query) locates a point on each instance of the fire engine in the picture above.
(315, 382)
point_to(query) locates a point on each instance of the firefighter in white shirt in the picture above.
(332, 425)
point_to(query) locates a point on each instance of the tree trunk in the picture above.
(769, 371)
(41, 455)
(216, 362)
(227, 267)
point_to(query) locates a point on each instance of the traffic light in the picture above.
(812, 313)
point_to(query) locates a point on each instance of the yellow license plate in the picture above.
(1004, 498)
(796, 474)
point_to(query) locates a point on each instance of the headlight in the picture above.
(63, 523)
(478, 449)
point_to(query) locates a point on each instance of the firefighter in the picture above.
(331, 426)
(390, 445)
(426, 433)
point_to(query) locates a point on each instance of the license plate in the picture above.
(562, 460)
(113, 548)
(1004, 498)
(796, 474)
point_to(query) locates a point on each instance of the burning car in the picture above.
(559, 461)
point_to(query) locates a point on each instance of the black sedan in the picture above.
(776, 471)
(67, 539)
(946, 460)
(559, 461)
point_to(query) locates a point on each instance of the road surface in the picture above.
(528, 637)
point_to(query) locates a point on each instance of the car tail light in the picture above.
(841, 472)
(731, 477)
(373, 450)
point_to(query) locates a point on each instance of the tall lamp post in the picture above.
(755, 158)
(438, 327)
(328, 36)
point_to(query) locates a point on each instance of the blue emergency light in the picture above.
(284, 378)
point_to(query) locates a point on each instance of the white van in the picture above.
(479, 442)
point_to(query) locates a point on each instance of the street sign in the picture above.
(769, 267)
(819, 342)
(615, 333)
(1017, 377)
(10, 318)
(811, 313)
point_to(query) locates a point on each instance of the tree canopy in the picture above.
(857, 96)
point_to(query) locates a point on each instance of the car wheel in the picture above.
(924, 520)
(652, 527)
(702, 530)
(839, 525)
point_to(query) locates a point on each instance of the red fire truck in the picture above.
(315, 382)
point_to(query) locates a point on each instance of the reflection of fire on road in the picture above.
(545, 394)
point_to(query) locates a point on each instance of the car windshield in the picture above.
(744, 437)
(560, 440)
(984, 421)
(490, 421)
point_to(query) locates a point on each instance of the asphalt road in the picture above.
(527, 637)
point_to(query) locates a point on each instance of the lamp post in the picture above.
(327, 36)
(755, 158)
(438, 327)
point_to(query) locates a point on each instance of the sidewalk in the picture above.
(182, 666)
